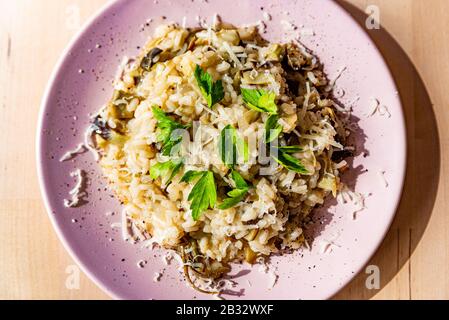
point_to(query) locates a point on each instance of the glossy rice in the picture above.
(272, 216)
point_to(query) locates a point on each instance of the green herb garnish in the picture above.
(203, 194)
(272, 128)
(166, 137)
(191, 175)
(227, 146)
(235, 195)
(166, 169)
(212, 91)
(285, 159)
(260, 100)
(242, 148)
(290, 149)
(240, 183)
(231, 146)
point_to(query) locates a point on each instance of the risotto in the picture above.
(220, 144)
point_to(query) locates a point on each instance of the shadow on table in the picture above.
(423, 166)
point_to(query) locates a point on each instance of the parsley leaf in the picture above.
(231, 146)
(242, 148)
(212, 91)
(166, 137)
(260, 100)
(285, 159)
(203, 194)
(191, 175)
(166, 169)
(272, 128)
(236, 195)
(240, 183)
(227, 146)
(290, 149)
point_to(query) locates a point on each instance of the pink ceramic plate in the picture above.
(82, 83)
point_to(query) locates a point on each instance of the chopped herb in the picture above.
(272, 128)
(167, 137)
(285, 159)
(230, 146)
(172, 147)
(240, 183)
(242, 148)
(212, 91)
(235, 195)
(260, 100)
(191, 175)
(203, 194)
(227, 146)
(290, 149)
(166, 169)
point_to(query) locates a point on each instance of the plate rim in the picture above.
(43, 183)
(39, 143)
(404, 149)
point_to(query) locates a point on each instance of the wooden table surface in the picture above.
(414, 258)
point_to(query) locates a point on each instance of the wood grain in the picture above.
(414, 257)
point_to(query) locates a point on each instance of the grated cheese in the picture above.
(326, 245)
(266, 16)
(288, 26)
(356, 199)
(116, 225)
(377, 107)
(126, 234)
(157, 276)
(273, 278)
(307, 32)
(89, 145)
(332, 83)
(167, 258)
(141, 263)
(78, 192)
(232, 55)
(73, 153)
